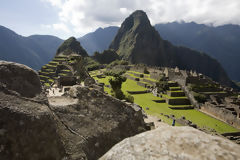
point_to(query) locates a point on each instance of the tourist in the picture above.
(173, 123)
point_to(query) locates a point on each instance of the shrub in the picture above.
(116, 84)
(114, 73)
(162, 85)
(201, 98)
(129, 98)
(137, 79)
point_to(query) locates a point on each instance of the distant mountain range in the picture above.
(220, 42)
(98, 40)
(33, 51)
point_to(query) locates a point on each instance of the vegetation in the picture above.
(201, 98)
(116, 84)
(117, 62)
(162, 84)
(106, 57)
(71, 45)
(197, 88)
(91, 64)
(114, 73)
(161, 109)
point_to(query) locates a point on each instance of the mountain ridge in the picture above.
(25, 50)
(139, 42)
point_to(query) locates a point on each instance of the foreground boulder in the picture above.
(95, 122)
(170, 143)
(28, 129)
(83, 125)
(20, 78)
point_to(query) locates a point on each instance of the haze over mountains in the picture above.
(218, 42)
(33, 51)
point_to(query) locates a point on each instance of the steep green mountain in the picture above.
(98, 40)
(71, 46)
(33, 51)
(220, 42)
(138, 42)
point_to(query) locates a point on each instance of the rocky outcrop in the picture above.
(98, 121)
(20, 78)
(83, 125)
(28, 129)
(182, 143)
(138, 42)
(71, 46)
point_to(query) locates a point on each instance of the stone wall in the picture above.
(178, 101)
(222, 113)
(176, 94)
(138, 92)
(155, 76)
(182, 82)
(149, 81)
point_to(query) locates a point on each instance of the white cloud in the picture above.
(87, 15)
(61, 27)
(56, 26)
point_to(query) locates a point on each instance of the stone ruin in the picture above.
(227, 109)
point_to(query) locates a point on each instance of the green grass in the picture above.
(145, 100)
(47, 84)
(42, 76)
(49, 65)
(131, 85)
(197, 117)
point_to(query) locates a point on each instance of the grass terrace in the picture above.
(162, 109)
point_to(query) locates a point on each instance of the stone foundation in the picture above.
(222, 113)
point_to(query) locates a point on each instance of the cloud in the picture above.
(87, 15)
(57, 26)
(61, 27)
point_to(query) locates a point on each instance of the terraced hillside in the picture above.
(163, 106)
(60, 66)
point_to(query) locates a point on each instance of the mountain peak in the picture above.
(71, 46)
(136, 19)
(136, 39)
(138, 42)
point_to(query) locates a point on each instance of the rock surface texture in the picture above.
(20, 78)
(86, 128)
(171, 143)
(28, 129)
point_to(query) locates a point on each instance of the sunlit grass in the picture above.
(146, 100)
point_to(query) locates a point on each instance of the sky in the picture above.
(65, 18)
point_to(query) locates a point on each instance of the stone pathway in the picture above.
(61, 101)
(154, 119)
(54, 92)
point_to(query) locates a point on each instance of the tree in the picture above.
(162, 84)
(116, 84)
